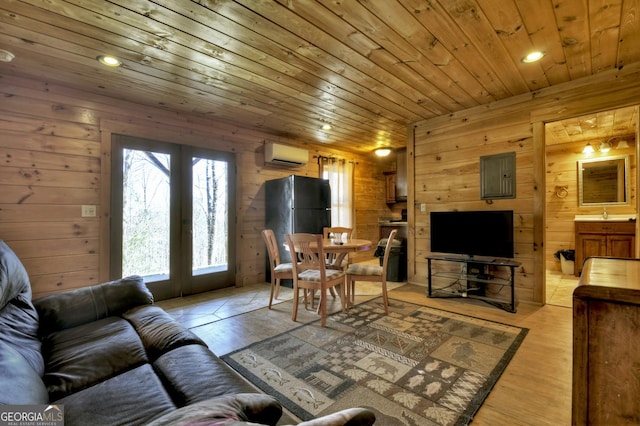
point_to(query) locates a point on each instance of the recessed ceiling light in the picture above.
(533, 57)
(6, 56)
(110, 61)
(382, 152)
(326, 126)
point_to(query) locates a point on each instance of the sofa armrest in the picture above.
(83, 305)
(19, 383)
(348, 417)
(237, 409)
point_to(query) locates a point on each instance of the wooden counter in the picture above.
(606, 343)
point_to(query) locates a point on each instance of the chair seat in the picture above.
(314, 275)
(364, 269)
(283, 267)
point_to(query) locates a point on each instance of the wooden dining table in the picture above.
(344, 247)
(341, 248)
(350, 245)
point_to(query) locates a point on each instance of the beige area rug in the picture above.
(417, 366)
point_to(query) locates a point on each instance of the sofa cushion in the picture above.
(82, 356)
(18, 317)
(19, 383)
(131, 398)
(226, 410)
(193, 373)
(159, 332)
(87, 304)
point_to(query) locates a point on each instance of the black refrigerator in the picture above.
(296, 204)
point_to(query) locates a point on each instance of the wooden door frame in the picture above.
(150, 130)
(539, 118)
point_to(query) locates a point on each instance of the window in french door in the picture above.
(171, 216)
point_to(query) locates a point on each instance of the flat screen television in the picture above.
(473, 233)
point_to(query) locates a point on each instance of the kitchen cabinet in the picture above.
(603, 238)
(390, 184)
(396, 180)
(606, 343)
(401, 175)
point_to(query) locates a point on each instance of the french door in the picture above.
(172, 221)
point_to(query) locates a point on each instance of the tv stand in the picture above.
(475, 278)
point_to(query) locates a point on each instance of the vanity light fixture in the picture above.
(382, 152)
(604, 147)
(110, 61)
(622, 144)
(533, 57)
(588, 149)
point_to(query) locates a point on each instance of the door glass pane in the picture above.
(210, 216)
(145, 214)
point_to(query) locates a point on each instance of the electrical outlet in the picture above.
(89, 211)
(423, 207)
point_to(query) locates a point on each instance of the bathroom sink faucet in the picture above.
(605, 214)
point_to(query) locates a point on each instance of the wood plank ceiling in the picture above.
(368, 68)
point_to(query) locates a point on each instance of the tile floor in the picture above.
(212, 315)
(560, 288)
(206, 308)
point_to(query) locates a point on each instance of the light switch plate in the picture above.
(88, 211)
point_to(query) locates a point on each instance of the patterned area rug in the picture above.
(417, 366)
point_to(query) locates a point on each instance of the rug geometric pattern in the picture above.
(417, 366)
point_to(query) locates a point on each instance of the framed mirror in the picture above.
(603, 181)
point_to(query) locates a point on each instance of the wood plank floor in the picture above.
(535, 389)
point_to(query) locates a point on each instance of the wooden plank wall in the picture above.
(560, 212)
(447, 151)
(54, 141)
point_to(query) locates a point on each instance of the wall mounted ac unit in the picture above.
(285, 155)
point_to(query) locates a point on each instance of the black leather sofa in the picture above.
(108, 356)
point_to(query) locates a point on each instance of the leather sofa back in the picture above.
(87, 304)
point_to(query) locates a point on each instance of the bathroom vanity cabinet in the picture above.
(603, 238)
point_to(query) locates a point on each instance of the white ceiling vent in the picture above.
(285, 155)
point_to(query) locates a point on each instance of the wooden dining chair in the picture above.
(368, 272)
(337, 260)
(307, 252)
(279, 270)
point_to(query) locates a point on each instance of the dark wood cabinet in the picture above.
(401, 175)
(606, 343)
(603, 238)
(390, 185)
(396, 180)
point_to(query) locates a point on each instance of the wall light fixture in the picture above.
(604, 146)
(588, 149)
